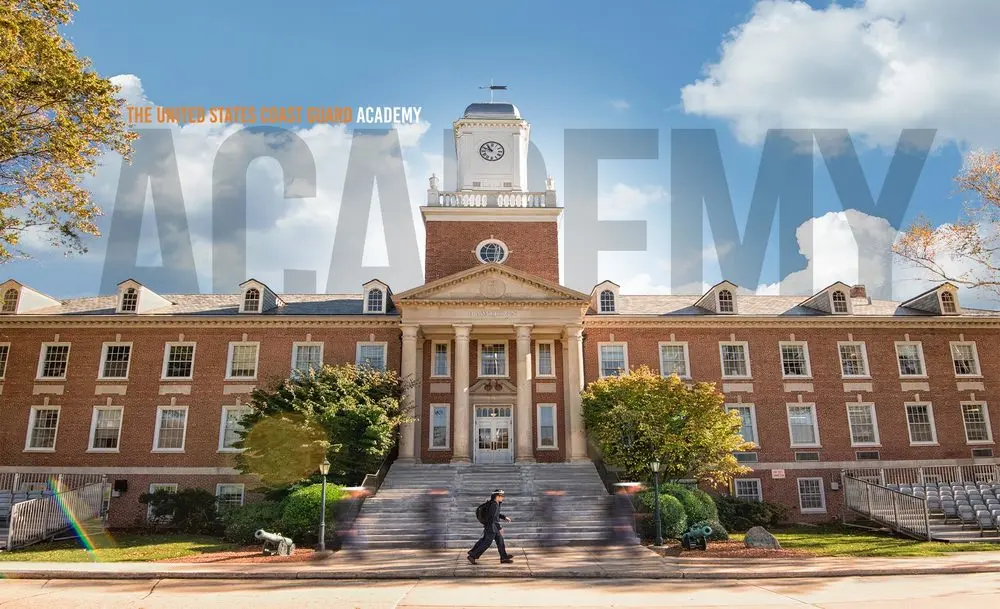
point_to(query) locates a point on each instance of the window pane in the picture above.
(116, 361)
(544, 359)
(106, 431)
(672, 360)
(180, 361)
(440, 429)
(171, 434)
(810, 494)
(441, 359)
(793, 360)
(54, 364)
(546, 426)
(493, 361)
(919, 421)
(909, 360)
(733, 360)
(230, 495)
(748, 489)
(230, 434)
(612, 360)
(964, 357)
(372, 356)
(308, 357)
(976, 428)
(800, 419)
(852, 360)
(862, 423)
(244, 361)
(43, 434)
(746, 429)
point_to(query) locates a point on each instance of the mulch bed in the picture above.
(725, 549)
(249, 554)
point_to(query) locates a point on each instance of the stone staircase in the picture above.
(394, 516)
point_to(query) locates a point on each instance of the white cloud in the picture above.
(620, 104)
(624, 201)
(875, 68)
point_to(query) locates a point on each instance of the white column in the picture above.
(408, 371)
(461, 405)
(524, 450)
(576, 435)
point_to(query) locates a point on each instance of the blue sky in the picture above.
(784, 64)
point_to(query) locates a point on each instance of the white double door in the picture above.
(494, 440)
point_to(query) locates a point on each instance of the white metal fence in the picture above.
(902, 513)
(978, 474)
(20, 482)
(40, 519)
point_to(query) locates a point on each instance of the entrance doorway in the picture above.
(493, 437)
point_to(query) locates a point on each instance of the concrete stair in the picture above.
(395, 517)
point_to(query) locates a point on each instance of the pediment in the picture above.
(493, 387)
(492, 283)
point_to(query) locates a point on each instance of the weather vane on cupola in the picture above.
(492, 87)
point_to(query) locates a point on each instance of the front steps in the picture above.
(395, 517)
(954, 532)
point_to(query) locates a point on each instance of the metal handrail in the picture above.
(906, 514)
(39, 519)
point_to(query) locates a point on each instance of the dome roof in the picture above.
(492, 110)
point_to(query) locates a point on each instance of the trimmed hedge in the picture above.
(300, 512)
(698, 505)
(742, 514)
(243, 521)
(672, 516)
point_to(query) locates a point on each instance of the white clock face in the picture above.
(491, 151)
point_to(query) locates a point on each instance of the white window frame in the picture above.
(121, 301)
(170, 486)
(158, 424)
(447, 432)
(805, 353)
(954, 300)
(104, 359)
(718, 301)
(760, 488)
(864, 358)
(746, 359)
(260, 300)
(600, 356)
(753, 420)
(229, 360)
(385, 352)
(822, 494)
(243, 490)
(447, 359)
(6, 361)
(222, 428)
(847, 301)
(975, 358)
(538, 359)
(506, 358)
(815, 422)
(687, 357)
(986, 419)
(555, 426)
(41, 361)
(383, 298)
(32, 418)
(93, 430)
(295, 352)
(491, 241)
(166, 360)
(3, 299)
(614, 302)
(920, 355)
(930, 416)
(874, 415)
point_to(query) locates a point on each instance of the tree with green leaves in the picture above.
(348, 413)
(57, 118)
(640, 416)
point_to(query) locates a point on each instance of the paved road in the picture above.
(916, 592)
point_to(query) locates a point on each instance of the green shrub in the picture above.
(741, 514)
(300, 512)
(718, 531)
(698, 505)
(672, 516)
(191, 510)
(243, 521)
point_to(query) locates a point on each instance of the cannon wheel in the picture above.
(703, 544)
(283, 549)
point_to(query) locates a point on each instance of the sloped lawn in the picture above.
(123, 547)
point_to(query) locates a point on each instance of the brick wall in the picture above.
(534, 247)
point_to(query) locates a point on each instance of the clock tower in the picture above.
(491, 217)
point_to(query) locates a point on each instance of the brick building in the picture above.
(147, 388)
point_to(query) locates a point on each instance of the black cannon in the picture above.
(696, 537)
(274, 543)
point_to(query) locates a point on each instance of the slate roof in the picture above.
(220, 304)
(777, 306)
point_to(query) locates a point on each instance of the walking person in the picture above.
(550, 505)
(492, 531)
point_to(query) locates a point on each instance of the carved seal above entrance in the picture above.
(493, 287)
(493, 386)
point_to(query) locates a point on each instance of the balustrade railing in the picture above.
(39, 519)
(902, 513)
(492, 199)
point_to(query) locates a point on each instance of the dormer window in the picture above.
(839, 302)
(130, 301)
(10, 301)
(375, 301)
(607, 301)
(947, 303)
(726, 301)
(251, 301)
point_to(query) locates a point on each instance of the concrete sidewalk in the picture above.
(598, 563)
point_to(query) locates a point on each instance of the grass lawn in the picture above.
(837, 540)
(123, 547)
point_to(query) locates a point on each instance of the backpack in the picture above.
(481, 512)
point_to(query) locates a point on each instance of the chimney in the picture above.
(859, 291)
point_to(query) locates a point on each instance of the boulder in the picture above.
(758, 537)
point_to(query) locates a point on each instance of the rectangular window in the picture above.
(492, 359)
(735, 360)
(306, 357)
(864, 426)
(853, 359)
(53, 361)
(748, 489)
(965, 358)
(674, 360)
(178, 361)
(748, 430)
(976, 418)
(802, 425)
(171, 427)
(745, 457)
(229, 495)
(170, 487)
(911, 358)
(807, 456)
(43, 423)
(811, 496)
(441, 364)
(545, 358)
(613, 358)
(243, 360)
(371, 355)
(440, 426)
(794, 360)
(105, 428)
(230, 426)
(920, 421)
(867, 455)
(546, 426)
(115, 360)
(4, 352)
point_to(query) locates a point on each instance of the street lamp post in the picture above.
(324, 468)
(655, 466)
